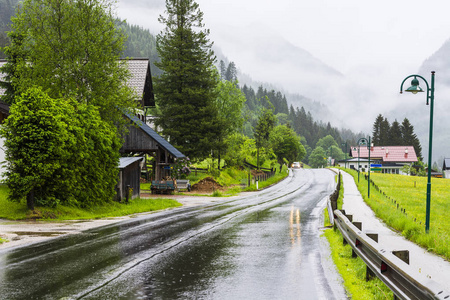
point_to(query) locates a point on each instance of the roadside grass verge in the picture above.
(352, 270)
(19, 211)
(400, 202)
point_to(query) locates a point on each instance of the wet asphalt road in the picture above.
(262, 245)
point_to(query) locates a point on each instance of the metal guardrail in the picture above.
(387, 266)
(330, 211)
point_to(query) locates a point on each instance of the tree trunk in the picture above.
(257, 158)
(30, 200)
(218, 165)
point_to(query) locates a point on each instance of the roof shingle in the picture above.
(387, 153)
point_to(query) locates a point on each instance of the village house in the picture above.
(383, 159)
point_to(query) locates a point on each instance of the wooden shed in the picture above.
(128, 186)
(142, 139)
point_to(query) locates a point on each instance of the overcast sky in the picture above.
(344, 34)
(372, 43)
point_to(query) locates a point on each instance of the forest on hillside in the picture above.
(141, 43)
(7, 10)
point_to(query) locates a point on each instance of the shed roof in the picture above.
(126, 161)
(386, 153)
(155, 136)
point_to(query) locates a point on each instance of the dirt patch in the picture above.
(206, 185)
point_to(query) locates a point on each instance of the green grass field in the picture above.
(18, 211)
(401, 203)
(352, 270)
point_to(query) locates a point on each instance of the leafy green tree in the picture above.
(186, 91)
(286, 144)
(326, 142)
(266, 123)
(317, 158)
(335, 152)
(236, 154)
(72, 49)
(230, 101)
(58, 150)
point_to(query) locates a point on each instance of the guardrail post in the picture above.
(369, 273)
(373, 236)
(402, 254)
(358, 225)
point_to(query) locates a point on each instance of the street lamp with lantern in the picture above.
(366, 142)
(415, 88)
(345, 164)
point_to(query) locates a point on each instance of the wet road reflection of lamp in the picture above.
(415, 88)
(297, 224)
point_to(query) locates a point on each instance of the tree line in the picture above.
(395, 134)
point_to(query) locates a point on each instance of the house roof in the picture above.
(126, 161)
(446, 165)
(155, 136)
(386, 153)
(141, 79)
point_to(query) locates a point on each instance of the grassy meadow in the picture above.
(400, 201)
(352, 269)
(19, 211)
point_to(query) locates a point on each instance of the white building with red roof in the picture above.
(387, 159)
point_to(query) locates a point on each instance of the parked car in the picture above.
(295, 165)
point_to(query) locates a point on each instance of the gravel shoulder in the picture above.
(19, 233)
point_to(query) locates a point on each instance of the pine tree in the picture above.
(410, 138)
(376, 132)
(186, 90)
(384, 132)
(231, 72)
(395, 135)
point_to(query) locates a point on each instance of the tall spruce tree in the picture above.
(185, 92)
(384, 132)
(410, 138)
(395, 135)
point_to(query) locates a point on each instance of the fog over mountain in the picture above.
(350, 56)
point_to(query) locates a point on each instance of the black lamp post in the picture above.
(415, 88)
(366, 142)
